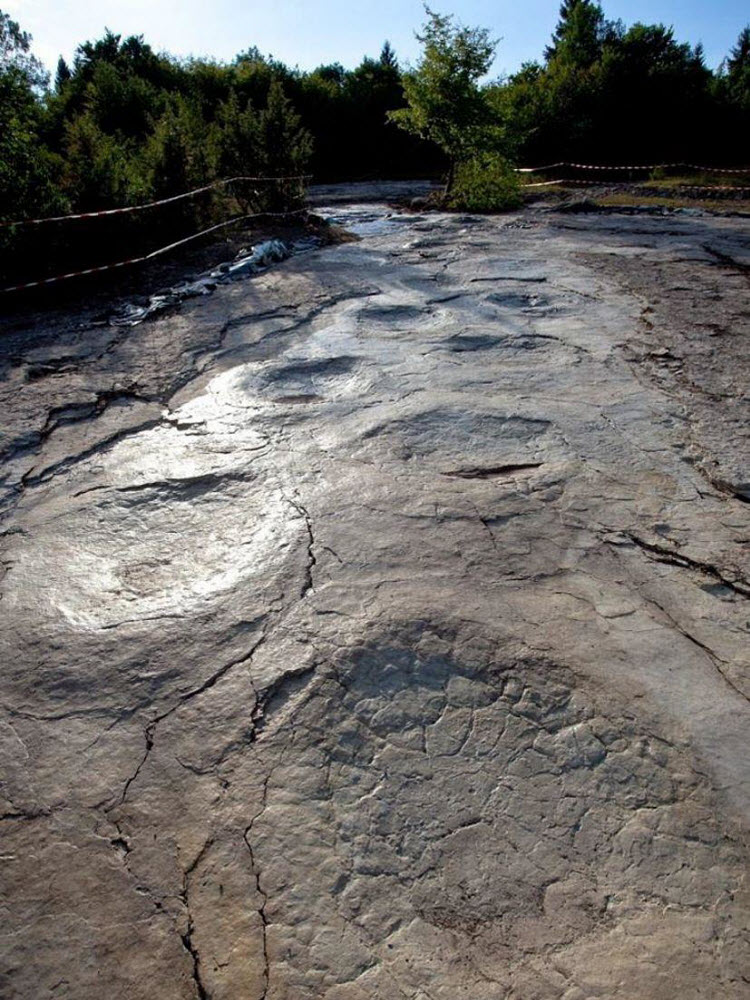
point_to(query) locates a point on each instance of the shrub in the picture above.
(485, 183)
(96, 173)
(239, 138)
(181, 153)
(285, 148)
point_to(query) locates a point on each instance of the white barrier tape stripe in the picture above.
(220, 225)
(72, 274)
(719, 170)
(564, 180)
(638, 187)
(584, 166)
(150, 204)
(538, 170)
(698, 187)
(653, 166)
(587, 166)
(149, 256)
(107, 211)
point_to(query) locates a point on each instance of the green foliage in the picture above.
(96, 173)
(239, 137)
(580, 35)
(285, 146)
(121, 102)
(125, 124)
(388, 58)
(738, 73)
(132, 125)
(445, 103)
(485, 183)
(62, 75)
(29, 172)
(182, 152)
(607, 93)
(15, 54)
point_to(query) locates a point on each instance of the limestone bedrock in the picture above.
(377, 627)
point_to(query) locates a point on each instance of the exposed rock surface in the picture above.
(377, 627)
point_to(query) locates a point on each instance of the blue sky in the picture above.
(310, 32)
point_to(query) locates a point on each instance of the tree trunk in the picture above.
(449, 181)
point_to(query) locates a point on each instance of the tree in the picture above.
(15, 54)
(240, 140)
(445, 103)
(182, 151)
(522, 102)
(371, 91)
(738, 71)
(653, 98)
(96, 166)
(28, 171)
(739, 57)
(580, 34)
(730, 107)
(388, 57)
(333, 73)
(285, 145)
(62, 75)
(610, 94)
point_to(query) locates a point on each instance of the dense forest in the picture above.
(124, 124)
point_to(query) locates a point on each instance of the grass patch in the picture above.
(659, 179)
(631, 199)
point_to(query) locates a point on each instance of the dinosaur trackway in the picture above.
(376, 627)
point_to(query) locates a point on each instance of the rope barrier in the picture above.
(676, 189)
(653, 166)
(152, 254)
(151, 204)
(572, 181)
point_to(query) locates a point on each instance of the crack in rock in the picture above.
(671, 558)
(149, 733)
(339, 691)
(492, 471)
(307, 584)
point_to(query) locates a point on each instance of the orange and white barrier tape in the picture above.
(635, 187)
(149, 256)
(542, 184)
(653, 166)
(151, 204)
